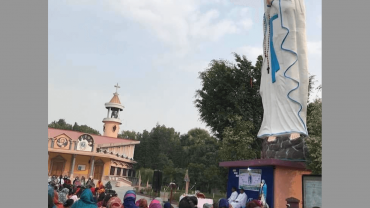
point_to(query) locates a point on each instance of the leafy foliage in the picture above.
(230, 90)
(165, 149)
(128, 135)
(238, 142)
(61, 124)
(314, 143)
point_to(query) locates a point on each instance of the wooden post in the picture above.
(187, 180)
(139, 181)
(187, 188)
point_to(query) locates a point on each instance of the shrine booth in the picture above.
(283, 179)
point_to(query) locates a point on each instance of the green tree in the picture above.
(230, 90)
(62, 124)
(238, 141)
(128, 135)
(314, 142)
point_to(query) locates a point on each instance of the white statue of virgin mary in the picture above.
(284, 80)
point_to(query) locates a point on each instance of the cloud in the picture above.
(181, 24)
(251, 52)
(314, 48)
(319, 21)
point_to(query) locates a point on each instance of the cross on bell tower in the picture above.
(112, 121)
(116, 86)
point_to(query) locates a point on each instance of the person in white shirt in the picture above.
(234, 195)
(241, 201)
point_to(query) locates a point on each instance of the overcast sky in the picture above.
(154, 50)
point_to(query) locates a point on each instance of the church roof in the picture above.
(74, 135)
(115, 99)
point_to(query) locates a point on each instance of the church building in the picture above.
(104, 157)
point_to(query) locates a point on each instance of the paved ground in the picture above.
(122, 190)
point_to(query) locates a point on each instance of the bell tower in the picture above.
(112, 121)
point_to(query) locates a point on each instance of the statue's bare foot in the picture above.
(294, 136)
(271, 139)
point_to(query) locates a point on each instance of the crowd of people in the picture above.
(62, 193)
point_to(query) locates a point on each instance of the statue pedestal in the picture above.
(283, 179)
(284, 149)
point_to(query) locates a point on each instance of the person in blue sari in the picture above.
(86, 200)
(51, 197)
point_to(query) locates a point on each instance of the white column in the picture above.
(92, 166)
(115, 171)
(72, 166)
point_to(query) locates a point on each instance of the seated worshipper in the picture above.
(67, 182)
(241, 201)
(99, 184)
(63, 195)
(50, 202)
(93, 191)
(54, 179)
(78, 191)
(129, 199)
(72, 195)
(234, 195)
(100, 187)
(223, 203)
(86, 200)
(106, 199)
(251, 204)
(101, 199)
(61, 182)
(188, 202)
(56, 199)
(142, 203)
(76, 182)
(167, 205)
(114, 202)
(83, 181)
(156, 204)
(90, 182)
(154, 201)
(114, 194)
(257, 202)
(68, 203)
(51, 197)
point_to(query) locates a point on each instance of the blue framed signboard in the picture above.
(267, 174)
(250, 179)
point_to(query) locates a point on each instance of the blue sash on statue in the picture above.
(274, 61)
